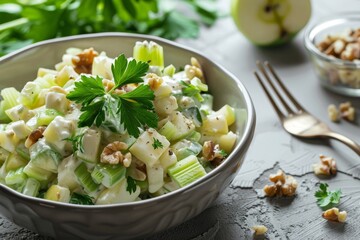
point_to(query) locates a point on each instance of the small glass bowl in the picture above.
(340, 76)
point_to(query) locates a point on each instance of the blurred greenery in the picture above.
(23, 22)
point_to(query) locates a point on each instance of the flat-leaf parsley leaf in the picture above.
(157, 144)
(327, 199)
(131, 185)
(135, 109)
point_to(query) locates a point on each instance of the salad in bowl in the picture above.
(101, 130)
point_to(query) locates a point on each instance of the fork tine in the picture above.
(277, 110)
(286, 91)
(284, 103)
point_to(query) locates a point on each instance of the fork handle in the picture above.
(350, 143)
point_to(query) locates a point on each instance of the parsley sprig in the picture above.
(77, 142)
(157, 144)
(131, 185)
(133, 109)
(327, 199)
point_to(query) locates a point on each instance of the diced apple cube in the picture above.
(57, 101)
(57, 131)
(20, 129)
(90, 146)
(228, 112)
(19, 112)
(155, 176)
(167, 159)
(165, 106)
(183, 125)
(8, 140)
(227, 141)
(215, 124)
(64, 75)
(146, 150)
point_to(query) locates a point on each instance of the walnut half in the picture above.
(112, 154)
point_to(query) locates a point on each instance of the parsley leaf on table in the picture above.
(325, 198)
(133, 109)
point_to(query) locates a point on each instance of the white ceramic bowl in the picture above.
(136, 219)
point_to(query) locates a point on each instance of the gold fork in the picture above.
(294, 118)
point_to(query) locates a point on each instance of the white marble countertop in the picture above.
(241, 205)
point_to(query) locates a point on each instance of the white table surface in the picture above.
(242, 205)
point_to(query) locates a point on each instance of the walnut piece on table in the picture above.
(259, 230)
(283, 185)
(335, 215)
(347, 111)
(327, 166)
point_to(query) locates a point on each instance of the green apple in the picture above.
(270, 22)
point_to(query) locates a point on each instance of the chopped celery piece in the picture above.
(38, 173)
(194, 137)
(186, 171)
(169, 70)
(10, 95)
(45, 157)
(46, 81)
(168, 130)
(197, 83)
(85, 179)
(45, 116)
(14, 161)
(23, 151)
(3, 155)
(185, 148)
(149, 52)
(3, 116)
(58, 193)
(15, 177)
(29, 95)
(112, 174)
(96, 175)
(144, 185)
(207, 104)
(31, 187)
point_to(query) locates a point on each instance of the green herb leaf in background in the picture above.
(24, 22)
(327, 199)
